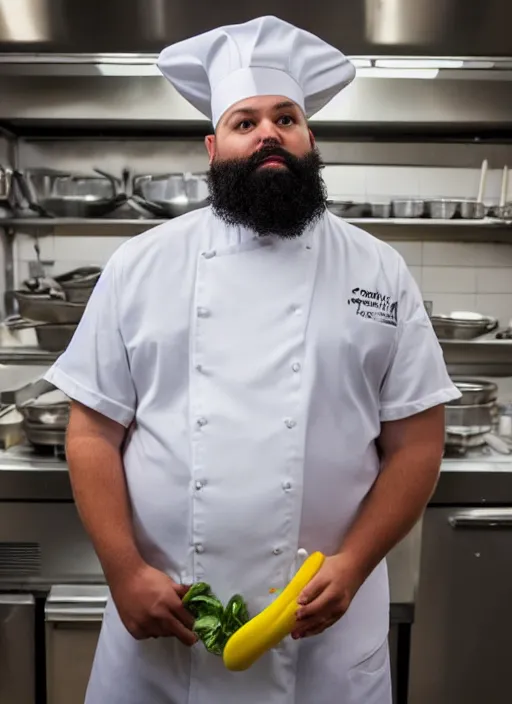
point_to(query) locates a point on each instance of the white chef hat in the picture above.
(265, 56)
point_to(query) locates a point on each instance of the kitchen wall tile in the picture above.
(447, 302)
(449, 254)
(492, 254)
(386, 182)
(494, 280)
(344, 180)
(410, 251)
(417, 273)
(85, 249)
(25, 247)
(498, 305)
(447, 279)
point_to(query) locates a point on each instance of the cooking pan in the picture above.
(43, 308)
(62, 195)
(171, 195)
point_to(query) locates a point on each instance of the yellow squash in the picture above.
(274, 623)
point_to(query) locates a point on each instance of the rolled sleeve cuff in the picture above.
(404, 410)
(92, 399)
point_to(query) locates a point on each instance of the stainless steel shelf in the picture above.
(150, 222)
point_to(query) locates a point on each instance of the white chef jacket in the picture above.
(256, 372)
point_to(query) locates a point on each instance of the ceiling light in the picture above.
(419, 63)
(397, 73)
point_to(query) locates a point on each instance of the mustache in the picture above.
(258, 158)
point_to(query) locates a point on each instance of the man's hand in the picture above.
(327, 597)
(149, 605)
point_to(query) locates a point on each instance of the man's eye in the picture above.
(244, 125)
(286, 120)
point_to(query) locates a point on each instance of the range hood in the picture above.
(357, 27)
(423, 65)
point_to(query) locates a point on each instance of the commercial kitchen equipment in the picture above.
(461, 637)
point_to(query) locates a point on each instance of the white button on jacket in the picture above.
(367, 353)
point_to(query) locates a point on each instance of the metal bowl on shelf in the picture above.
(442, 208)
(348, 208)
(476, 415)
(41, 435)
(472, 210)
(171, 195)
(408, 208)
(474, 391)
(462, 325)
(59, 194)
(49, 410)
(381, 210)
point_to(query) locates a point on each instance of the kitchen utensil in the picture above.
(474, 392)
(171, 195)
(462, 325)
(469, 416)
(54, 338)
(467, 439)
(497, 443)
(47, 309)
(44, 435)
(59, 194)
(78, 284)
(5, 184)
(55, 416)
(49, 409)
(472, 210)
(349, 208)
(483, 180)
(408, 208)
(381, 210)
(442, 208)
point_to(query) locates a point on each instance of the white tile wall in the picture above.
(454, 276)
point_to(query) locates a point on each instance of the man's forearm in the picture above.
(101, 496)
(392, 507)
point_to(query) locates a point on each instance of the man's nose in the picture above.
(269, 134)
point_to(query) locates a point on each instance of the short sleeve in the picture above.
(416, 378)
(94, 370)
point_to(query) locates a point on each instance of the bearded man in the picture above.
(284, 394)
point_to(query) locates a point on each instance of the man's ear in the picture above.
(209, 142)
(312, 139)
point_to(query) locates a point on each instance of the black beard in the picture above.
(281, 201)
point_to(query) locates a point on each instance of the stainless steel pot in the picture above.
(470, 416)
(442, 208)
(171, 195)
(349, 209)
(474, 392)
(462, 325)
(41, 435)
(54, 416)
(59, 194)
(472, 210)
(408, 208)
(54, 338)
(381, 210)
(43, 308)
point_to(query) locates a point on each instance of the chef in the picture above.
(251, 382)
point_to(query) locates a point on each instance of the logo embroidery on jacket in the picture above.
(374, 305)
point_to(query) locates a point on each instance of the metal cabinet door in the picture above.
(73, 617)
(17, 649)
(462, 636)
